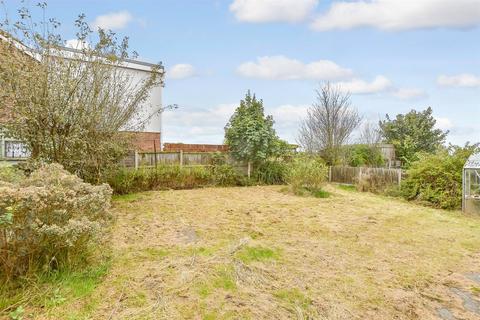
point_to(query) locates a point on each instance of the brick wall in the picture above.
(175, 147)
(144, 141)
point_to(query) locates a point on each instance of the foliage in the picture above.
(376, 183)
(69, 106)
(226, 175)
(436, 179)
(363, 155)
(306, 173)
(250, 134)
(412, 133)
(330, 122)
(49, 220)
(124, 181)
(271, 172)
(11, 174)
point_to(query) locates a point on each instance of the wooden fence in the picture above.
(180, 158)
(352, 175)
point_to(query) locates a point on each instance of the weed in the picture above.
(250, 254)
(347, 187)
(294, 297)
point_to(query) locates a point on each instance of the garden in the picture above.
(262, 252)
(84, 237)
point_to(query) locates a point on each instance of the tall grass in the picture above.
(126, 181)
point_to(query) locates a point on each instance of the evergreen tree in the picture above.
(250, 134)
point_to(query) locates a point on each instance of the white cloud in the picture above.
(196, 125)
(181, 71)
(409, 93)
(283, 68)
(359, 86)
(113, 20)
(443, 123)
(77, 44)
(460, 80)
(400, 15)
(272, 10)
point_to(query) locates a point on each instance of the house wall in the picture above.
(153, 105)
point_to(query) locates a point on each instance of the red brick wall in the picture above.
(145, 141)
(175, 147)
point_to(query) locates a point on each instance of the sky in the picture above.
(391, 55)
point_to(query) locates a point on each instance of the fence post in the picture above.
(399, 177)
(136, 159)
(330, 174)
(181, 158)
(155, 153)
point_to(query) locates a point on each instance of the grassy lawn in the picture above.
(259, 253)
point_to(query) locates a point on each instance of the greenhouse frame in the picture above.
(471, 185)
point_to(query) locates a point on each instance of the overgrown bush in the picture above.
(226, 175)
(10, 174)
(49, 220)
(306, 174)
(361, 155)
(271, 172)
(376, 183)
(125, 181)
(436, 179)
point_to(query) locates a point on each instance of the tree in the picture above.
(250, 134)
(69, 107)
(330, 122)
(370, 134)
(412, 133)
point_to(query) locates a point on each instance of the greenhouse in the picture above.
(471, 185)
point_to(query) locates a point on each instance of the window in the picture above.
(16, 149)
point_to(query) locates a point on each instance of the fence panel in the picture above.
(150, 159)
(352, 175)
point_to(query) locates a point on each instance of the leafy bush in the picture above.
(436, 179)
(363, 155)
(49, 220)
(307, 173)
(10, 174)
(271, 172)
(226, 175)
(126, 181)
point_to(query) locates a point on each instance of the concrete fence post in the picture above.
(181, 158)
(330, 174)
(399, 177)
(136, 159)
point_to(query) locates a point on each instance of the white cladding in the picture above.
(141, 71)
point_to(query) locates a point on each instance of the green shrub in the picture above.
(124, 181)
(361, 155)
(271, 172)
(307, 173)
(11, 174)
(49, 220)
(436, 179)
(226, 175)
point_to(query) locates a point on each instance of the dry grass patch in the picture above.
(258, 253)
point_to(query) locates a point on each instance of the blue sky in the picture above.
(392, 55)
